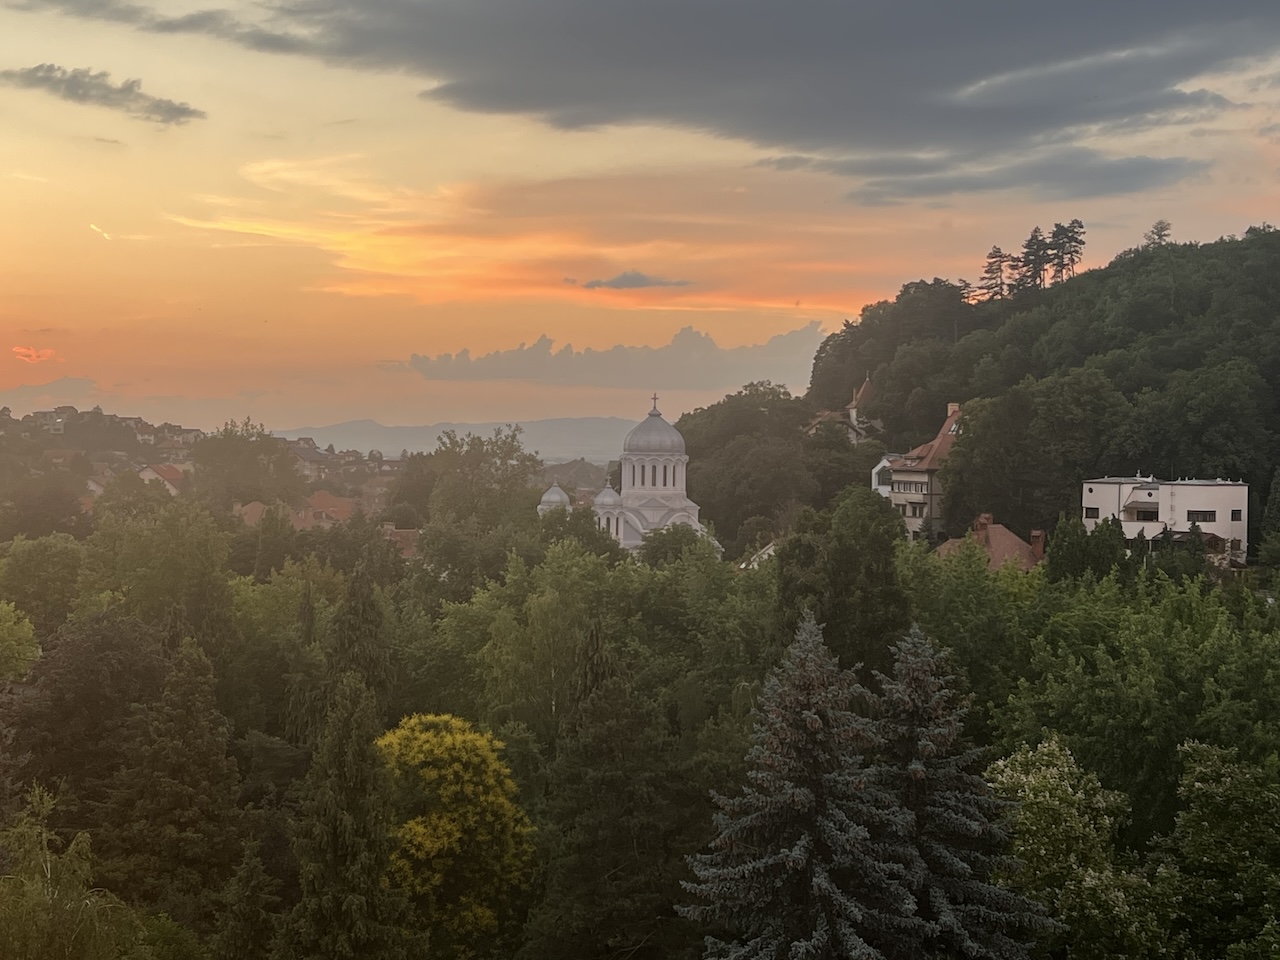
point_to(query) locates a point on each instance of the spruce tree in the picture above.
(614, 816)
(170, 821)
(956, 841)
(805, 863)
(1271, 515)
(342, 843)
(246, 925)
(359, 642)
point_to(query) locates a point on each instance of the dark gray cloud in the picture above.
(692, 360)
(1065, 174)
(96, 89)
(855, 84)
(631, 280)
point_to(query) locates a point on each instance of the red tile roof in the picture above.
(167, 471)
(1000, 543)
(929, 456)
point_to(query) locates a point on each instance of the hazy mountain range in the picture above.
(598, 439)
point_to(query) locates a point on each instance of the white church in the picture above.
(653, 485)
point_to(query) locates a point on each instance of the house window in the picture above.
(1148, 516)
(902, 509)
(917, 509)
(1237, 515)
(884, 478)
(1202, 516)
(1091, 513)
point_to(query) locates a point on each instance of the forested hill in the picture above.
(1166, 361)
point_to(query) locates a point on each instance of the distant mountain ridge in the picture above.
(597, 439)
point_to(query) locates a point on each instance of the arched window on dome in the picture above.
(674, 469)
(664, 474)
(633, 474)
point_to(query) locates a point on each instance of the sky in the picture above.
(311, 211)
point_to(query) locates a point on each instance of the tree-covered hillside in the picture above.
(1166, 361)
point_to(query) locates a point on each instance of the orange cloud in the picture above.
(32, 355)
(719, 238)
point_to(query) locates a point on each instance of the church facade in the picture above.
(652, 494)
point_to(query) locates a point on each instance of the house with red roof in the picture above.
(912, 478)
(1001, 545)
(171, 476)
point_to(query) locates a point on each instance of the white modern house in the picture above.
(1219, 508)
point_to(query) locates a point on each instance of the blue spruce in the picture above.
(956, 842)
(806, 863)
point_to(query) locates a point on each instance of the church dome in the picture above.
(653, 435)
(554, 497)
(608, 497)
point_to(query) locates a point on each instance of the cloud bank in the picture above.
(94, 88)
(863, 86)
(632, 280)
(691, 361)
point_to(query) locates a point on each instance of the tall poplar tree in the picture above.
(805, 863)
(342, 843)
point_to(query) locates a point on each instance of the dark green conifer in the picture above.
(169, 833)
(956, 843)
(614, 815)
(247, 923)
(359, 641)
(342, 843)
(805, 862)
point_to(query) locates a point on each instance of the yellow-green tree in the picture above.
(465, 848)
(18, 646)
(48, 906)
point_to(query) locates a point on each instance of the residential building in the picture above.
(1001, 545)
(170, 476)
(914, 487)
(1219, 508)
(853, 418)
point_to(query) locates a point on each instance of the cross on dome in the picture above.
(655, 404)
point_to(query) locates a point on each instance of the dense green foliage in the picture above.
(1166, 362)
(226, 742)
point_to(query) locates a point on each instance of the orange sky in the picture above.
(284, 256)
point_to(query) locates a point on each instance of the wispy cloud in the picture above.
(34, 355)
(94, 88)
(632, 280)
(99, 231)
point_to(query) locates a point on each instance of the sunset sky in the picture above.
(291, 211)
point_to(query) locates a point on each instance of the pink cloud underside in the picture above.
(34, 355)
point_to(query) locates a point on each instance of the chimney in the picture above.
(953, 409)
(984, 520)
(1037, 545)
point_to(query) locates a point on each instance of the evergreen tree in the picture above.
(1271, 515)
(342, 843)
(1068, 553)
(1034, 263)
(804, 864)
(614, 812)
(993, 284)
(1065, 248)
(170, 820)
(359, 642)
(246, 925)
(957, 843)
